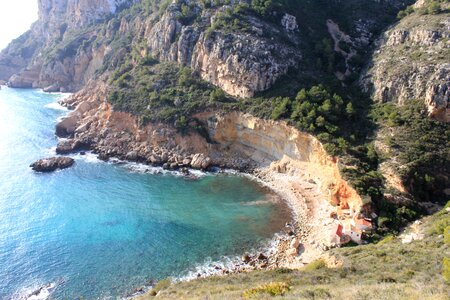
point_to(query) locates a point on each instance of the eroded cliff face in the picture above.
(70, 50)
(283, 149)
(411, 62)
(57, 14)
(235, 140)
(56, 53)
(240, 62)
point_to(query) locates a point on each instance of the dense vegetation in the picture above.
(311, 99)
(386, 270)
(162, 92)
(431, 7)
(422, 146)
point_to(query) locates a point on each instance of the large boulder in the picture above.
(51, 164)
(200, 161)
(66, 127)
(71, 146)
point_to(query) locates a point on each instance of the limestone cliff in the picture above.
(230, 46)
(73, 46)
(411, 62)
(54, 54)
(55, 14)
(282, 149)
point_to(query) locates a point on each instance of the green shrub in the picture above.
(447, 235)
(434, 8)
(316, 293)
(281, 108)
(386, 240)
(217, 95)
(315, 265)
(438, 227)
(407, 11)
(316, 110)
(446, 269)
(272, 289)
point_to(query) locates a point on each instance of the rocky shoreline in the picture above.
(292, 164)
(293, 247)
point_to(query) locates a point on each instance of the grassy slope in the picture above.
(387, 270)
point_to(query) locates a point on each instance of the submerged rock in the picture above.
(51, 164)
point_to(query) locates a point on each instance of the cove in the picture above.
(100, 230)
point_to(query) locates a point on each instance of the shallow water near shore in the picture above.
(100, 230)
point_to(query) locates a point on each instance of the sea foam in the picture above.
(56, 106)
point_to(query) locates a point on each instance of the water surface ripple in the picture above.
(99, 230)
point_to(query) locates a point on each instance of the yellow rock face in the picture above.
(283, 149)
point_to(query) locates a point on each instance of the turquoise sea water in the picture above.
(99, 230)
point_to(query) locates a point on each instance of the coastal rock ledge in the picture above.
(52, 164)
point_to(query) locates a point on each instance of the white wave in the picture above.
(140, 168)
(258, 202)
(56, 106)
(199, 173)
(147, 169)
(61, 94)
(52, 151)
(230, 263)
(87, 157)
(36, 292)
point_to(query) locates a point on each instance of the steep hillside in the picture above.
(242, 47)
(408, 77)
(50, 55)
(157, 79)
(411, 60)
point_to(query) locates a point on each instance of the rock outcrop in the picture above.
(241, 63)
(411, 62)
(67, 56)
(199, 161)
(242, 53)
(51, 164)
(56, 53)
(75, 13)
